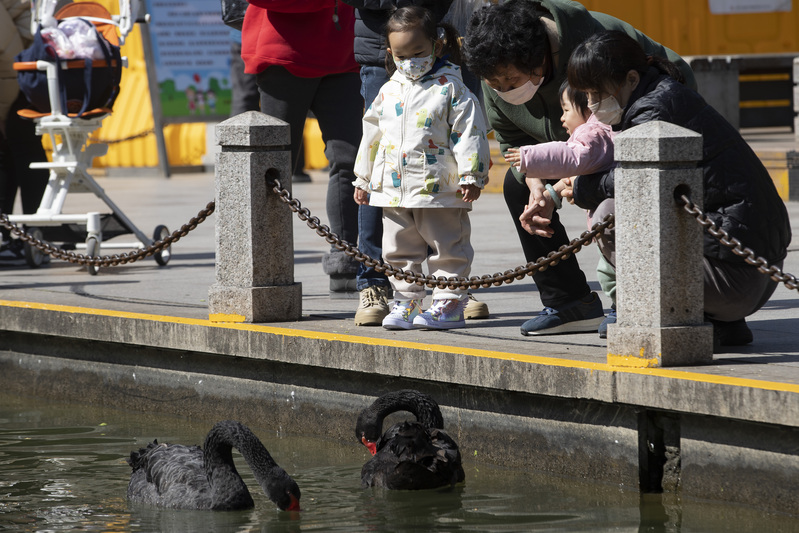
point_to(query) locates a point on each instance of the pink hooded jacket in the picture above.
(588, 150)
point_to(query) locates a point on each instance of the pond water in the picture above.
(62, 467)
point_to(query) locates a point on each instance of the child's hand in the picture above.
(513, 157)
(361, 197)
(567, 191)
(470, 192)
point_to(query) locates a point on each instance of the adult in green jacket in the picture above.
(520, 48)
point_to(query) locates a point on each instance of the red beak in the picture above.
(370, 445)
(294, 505)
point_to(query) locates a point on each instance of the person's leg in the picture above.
(734, 291)
(374, 290)
(338, 107)
(448, 232)
(25, 147)
(606, 266)
(243, 87)
(563, 288)
(370, 228)
(406, 249)
(8, 182)
(288, 98)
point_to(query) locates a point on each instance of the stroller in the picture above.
(69, 130)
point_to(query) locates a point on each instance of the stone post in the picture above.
(660, 295)
(254, 237)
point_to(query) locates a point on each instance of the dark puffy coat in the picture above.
(370, 21)
(739, 196)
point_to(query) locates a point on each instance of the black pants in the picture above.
(18, 149)
(336, 102)
(559, 284)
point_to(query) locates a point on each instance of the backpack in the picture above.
(85, 84)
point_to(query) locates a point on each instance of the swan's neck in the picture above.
(219, 443)
(424, 408)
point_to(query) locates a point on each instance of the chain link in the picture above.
(440, 282)
(737, 247)
(124, 139)
(108, 260)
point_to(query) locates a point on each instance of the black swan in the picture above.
(410, 455)
(190, 477)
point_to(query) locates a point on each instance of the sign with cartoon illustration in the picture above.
(191, 52)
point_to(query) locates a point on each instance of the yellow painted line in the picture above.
(533, 359)
(750, 104)
(764, 77)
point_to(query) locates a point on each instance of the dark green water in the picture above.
(62, 467)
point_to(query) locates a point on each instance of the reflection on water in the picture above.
(63, 468)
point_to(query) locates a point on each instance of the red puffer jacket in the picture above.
(310, 38)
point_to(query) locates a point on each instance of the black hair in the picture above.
(413, 17)
(605, 58)
(509, 33)
(577, 98)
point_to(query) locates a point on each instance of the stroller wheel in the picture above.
(162, 256)
(92, 249)
(33, 256)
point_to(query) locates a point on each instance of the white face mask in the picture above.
(607, 111)
(522, 94)
(414, 68)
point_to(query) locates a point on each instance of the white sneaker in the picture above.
(402, 314)
(443, 314)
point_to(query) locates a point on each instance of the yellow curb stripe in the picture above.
(533, 359)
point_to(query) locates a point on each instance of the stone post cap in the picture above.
(658, 142)
(253, 128)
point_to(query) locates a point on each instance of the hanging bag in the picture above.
(233, 13)
(86, 84)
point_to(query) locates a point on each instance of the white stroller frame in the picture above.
(74, 155)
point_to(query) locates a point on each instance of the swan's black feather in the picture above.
(410, 455)
(189, 477)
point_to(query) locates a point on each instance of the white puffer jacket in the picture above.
(422, 140)
(15, 36)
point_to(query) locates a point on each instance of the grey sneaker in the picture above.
(603, 327)
(445, 313)
(373, 306)
(579, 316)
(402, 314)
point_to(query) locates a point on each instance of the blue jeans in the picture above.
(370, 219)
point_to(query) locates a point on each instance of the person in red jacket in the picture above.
(301, 52)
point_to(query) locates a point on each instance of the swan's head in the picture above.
(367, 430)
(372, 446)
(285, 493)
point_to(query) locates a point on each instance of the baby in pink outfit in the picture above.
(589, 148)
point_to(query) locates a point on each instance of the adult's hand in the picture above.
(536, 218)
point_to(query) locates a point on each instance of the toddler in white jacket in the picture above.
(424, 159)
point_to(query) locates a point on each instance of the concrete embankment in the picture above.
(137, 337)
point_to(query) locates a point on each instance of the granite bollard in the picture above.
(254, 238)
(660, 292)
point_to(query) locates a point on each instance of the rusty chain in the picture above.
(108, 260)
(144, 133)
(441, 282)
(737, 247)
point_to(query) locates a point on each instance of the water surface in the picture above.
(62, 467)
